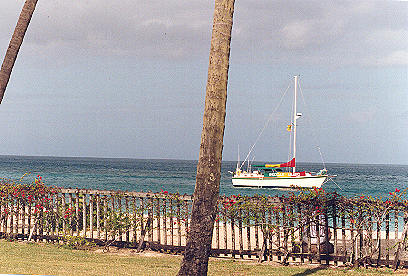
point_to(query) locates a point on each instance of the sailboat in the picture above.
(272, 176)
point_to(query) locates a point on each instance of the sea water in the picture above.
(179, 175)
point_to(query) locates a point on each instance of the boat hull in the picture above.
(279, 182)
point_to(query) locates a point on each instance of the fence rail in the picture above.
(161, 222)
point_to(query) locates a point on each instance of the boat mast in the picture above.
(238, 161)
(294, 124)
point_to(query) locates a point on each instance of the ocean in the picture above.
(179, 175)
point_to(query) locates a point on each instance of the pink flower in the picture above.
(397, 191)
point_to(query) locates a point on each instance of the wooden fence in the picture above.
(161, 222)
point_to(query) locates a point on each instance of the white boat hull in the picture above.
(279, 182)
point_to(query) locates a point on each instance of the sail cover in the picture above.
(291, 164)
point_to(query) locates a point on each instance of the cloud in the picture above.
(362, 116)
(395, 58)
(136, 28)
(308, 32)
(324, 33)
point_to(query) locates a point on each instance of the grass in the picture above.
(48, 259)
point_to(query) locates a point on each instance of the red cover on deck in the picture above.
(291, 164)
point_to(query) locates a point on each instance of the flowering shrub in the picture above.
(35, 195)
(294, 214)
(288, 217)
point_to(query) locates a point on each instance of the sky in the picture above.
(101, 78)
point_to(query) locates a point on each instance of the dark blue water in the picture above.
(179, 175)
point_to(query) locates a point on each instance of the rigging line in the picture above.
(265, 125)
(336, 184)
(321, 157)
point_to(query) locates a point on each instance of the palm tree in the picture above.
(206, 193)
(15, 44)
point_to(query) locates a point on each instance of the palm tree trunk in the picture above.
(197, 252)
(15, 44)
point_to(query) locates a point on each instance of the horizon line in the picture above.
(175, 159)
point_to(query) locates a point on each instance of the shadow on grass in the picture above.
(310, 271)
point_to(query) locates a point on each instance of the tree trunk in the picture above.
(15, 44)
(197, 252)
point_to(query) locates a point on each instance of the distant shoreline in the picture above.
(171, 159)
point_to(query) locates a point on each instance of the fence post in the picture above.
(158, 220)
(395, 226)
(233, 236)
(285, 230)
(334, 210)
(360, 232)
(292, 229)
(70, 205)
(135, 228)
(23, 218)
(150, 215)
(326, 236)
(171, 223)
(84, 215)
(317, 221)
(379, 241)
(11, 218)
(248, 230)
(241, 243)
(370, 233)
(91, 199)
(278, 234)
(165, 220)
(225, 230)
(127, 221)
(120, 212)
(17, 206)
(77, 199)
(105, 216)
(98, 216)
(387, 238)
(301, 232)
(352, 239)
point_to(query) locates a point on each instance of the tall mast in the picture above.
(238, 160)
(294, 124)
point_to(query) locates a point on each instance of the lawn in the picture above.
(23, 258)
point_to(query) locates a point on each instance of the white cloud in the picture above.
(317, 32)
(395, 58)
(362, 116)
(297, 34)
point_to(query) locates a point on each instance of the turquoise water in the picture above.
(179, 175)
